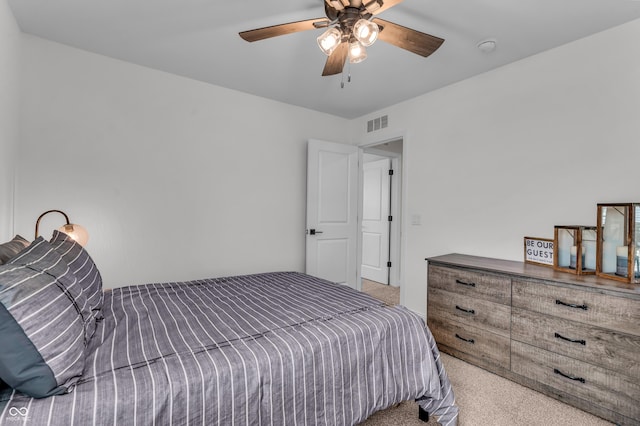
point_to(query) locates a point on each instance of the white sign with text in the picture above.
(538, 250)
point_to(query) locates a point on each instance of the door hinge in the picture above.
(390, 218)
(390, 172)
(388, 264)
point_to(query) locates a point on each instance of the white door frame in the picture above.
(399, 245)
(395, 237)
(378, 271)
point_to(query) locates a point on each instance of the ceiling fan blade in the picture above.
(386, 4)
(414, 41)
(335, 62)
(282, 29)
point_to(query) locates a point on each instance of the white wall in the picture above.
(9, 117)
(515, 151)
(174, 179)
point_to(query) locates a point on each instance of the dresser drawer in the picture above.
(479, 313)
(480, 285)
(489, 347)
(612, 350)
(615, 313)
(597, 385)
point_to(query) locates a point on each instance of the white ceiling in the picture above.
(199, 39)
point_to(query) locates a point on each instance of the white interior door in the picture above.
(332, 212)
(375, 220)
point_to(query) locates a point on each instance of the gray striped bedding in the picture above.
(267, 349)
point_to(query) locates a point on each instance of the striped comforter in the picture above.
(267, 349)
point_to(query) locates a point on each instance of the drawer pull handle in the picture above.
(466, 340)
(571, 305)
(465, 283)
(560, 336)
(577, 379)
(468, 311)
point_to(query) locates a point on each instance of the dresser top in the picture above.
(526, 270)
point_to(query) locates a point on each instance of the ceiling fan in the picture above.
(352, 26)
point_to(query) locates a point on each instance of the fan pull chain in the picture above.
(348, 76)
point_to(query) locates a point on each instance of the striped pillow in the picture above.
(41, 323)
(83, 268)
(11, 248)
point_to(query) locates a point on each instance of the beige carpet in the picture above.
(484, 399)
(387, 293)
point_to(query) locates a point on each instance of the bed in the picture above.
(280, 348)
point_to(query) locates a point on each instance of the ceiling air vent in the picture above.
(377, 123)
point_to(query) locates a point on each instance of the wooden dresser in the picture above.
(574, 338)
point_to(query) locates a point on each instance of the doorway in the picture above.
(380, 229)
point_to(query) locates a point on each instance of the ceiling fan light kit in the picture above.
(366, 32)
(329, 40)
(357, 52)
(353, 26)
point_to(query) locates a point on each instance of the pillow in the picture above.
(83, 268)
(13, 247)
(40, 317)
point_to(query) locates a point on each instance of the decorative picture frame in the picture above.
(538, 251)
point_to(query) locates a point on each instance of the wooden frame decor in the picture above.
(538, 251)
(570, 240)
(618, 251)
